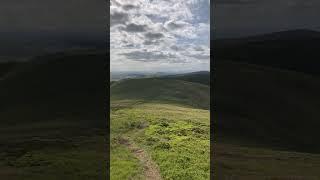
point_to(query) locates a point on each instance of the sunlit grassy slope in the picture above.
(167, 118)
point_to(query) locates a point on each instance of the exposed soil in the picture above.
(151, 170)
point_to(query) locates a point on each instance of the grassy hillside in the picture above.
(52, 118)
(166, 119)
(202, 77)
(162, 90)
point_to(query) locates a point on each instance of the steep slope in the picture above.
(162, 90)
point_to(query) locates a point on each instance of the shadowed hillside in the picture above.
(52, 118)
(267, 89)
(69, 84)
(266, 106)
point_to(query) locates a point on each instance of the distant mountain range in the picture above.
(119, 75)
(115, 76)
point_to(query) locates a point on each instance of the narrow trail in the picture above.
(151, 170)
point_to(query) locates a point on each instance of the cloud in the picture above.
(175, 48)
(198, 48)
(152, 36)
(132, 27)
(148, 56)
(200, 56)
(156, 33)
(118, 17)
(173, 25)
(128, 7)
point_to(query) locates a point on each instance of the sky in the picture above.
(30, 28)
(76, 16)
(159, 35)
(234, 18)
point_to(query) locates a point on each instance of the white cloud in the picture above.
(158, 34)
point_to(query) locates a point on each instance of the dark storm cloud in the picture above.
(53, 15)
(243, 18)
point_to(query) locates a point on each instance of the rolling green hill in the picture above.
(202, 77)
(168, 121)
(170, 90)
